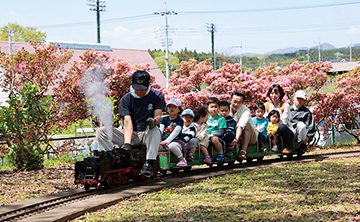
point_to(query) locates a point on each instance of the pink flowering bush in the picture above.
(195, 82)
(31, 114)
(114, 73)
(340, 109)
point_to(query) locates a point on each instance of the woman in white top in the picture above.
(276, 94)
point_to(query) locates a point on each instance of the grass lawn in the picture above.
(327, 190)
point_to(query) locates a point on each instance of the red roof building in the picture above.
(133, 56)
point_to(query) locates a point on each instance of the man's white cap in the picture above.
(300, 94)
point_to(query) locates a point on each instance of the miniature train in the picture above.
(108, 168)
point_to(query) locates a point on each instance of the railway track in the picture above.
(74, 203)
(25, 209)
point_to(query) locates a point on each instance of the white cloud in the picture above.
(353, 30)
(122, 35)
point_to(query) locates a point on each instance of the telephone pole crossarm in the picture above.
(98, 6)
(165, 13)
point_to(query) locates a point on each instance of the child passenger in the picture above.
(274, 117)
(260, 122)
(189, 133)
(216, 126)
(201, 116)
(170, 128)
(229, 134)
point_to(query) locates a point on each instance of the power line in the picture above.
(76, 24)
(200, 12)
(271, 9)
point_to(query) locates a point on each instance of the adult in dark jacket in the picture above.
(141, 108)
(302, 119)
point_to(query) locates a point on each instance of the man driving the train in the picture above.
(141, 109)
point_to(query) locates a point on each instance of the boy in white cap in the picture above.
(301, 119)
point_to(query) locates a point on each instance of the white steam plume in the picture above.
(96, 92)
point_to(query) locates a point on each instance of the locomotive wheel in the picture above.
(231, 163)
(210, 165)
(87, 187)
(109, 180)
(299, 155)
(187, 169)
(259, 159)
(249, 159)
(163, 172)
(175, 170)
(289, 156)
(155, 174)
(220, 164)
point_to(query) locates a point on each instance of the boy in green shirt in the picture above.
(216, 127)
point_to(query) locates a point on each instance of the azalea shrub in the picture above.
(195, 82)
(341, 108)
(31, 113)
(95, 67)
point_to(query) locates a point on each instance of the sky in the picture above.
(242, 26)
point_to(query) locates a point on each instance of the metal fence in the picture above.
(52, 153)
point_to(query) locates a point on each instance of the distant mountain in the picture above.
(324, 46)
(249, 54)
(245, 54)
(286, 50)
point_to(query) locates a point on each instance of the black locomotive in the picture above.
(107, 168)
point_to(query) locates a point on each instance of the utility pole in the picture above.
(10, 45)
(308, 55)
(319, 51)
(350, 50)
(98, 6)
(240, 59)
(212, 28)
(165, 13)
(10, 32)
(264, 60)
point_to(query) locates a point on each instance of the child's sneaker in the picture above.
(207, 160)
(220, 157)
(181, 163)
(190, 158)
(274, 148)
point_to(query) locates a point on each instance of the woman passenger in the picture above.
(276, 94)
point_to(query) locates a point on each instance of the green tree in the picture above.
(21, 34)
(26, 114)
(31, 114)
(160, 60)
